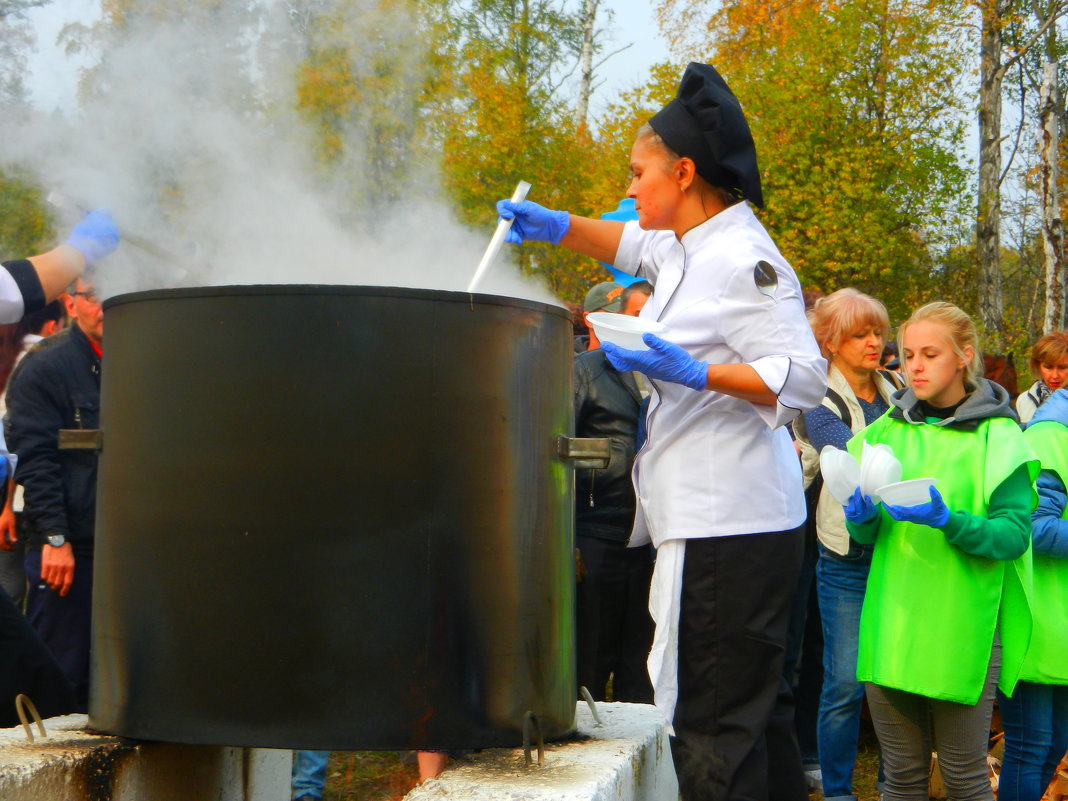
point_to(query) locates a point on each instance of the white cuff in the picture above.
(774, 372)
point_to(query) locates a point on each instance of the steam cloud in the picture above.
(189, 137)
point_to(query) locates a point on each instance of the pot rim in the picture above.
(269, 290)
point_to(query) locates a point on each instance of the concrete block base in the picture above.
(72, 764)
(627, 758)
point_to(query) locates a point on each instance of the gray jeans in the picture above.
(908, 725)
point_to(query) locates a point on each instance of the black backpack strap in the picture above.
(843, 408)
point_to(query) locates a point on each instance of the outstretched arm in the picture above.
(534, 223)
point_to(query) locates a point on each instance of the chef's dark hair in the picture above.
(705, 123)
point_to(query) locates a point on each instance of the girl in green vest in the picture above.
(1036, 717)
(947, 601)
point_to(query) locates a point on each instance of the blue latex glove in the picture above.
(533, 222)
(95, 236)
(664, 361)
(859, 508)
(934, 514)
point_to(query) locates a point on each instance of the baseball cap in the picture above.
(603, 296)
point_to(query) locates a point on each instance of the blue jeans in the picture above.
(1036, 737)
(309, 773)
(840, 583)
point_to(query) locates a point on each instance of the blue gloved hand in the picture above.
(859, 508)
(934, 514)
(533, 222)
(664, 361)
(95, 236)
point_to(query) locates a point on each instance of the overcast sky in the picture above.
(54, 74)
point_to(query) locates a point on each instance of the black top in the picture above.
(607, 404)
(56, 386)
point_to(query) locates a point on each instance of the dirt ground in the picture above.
(389, 775)
(370, 775)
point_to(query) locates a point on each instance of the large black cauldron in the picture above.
(335, 518)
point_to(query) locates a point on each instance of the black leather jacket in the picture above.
(57, 385)
(606, 405)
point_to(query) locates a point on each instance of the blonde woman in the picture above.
(851, 329)
(946, 611)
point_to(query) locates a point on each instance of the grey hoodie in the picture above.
(986, 400)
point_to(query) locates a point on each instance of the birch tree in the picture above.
(591, 56)
(589, 21)
(995, 62)
(1052, 224)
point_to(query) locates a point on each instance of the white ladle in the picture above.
(503, 226)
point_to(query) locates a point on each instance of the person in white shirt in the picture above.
(718, 481)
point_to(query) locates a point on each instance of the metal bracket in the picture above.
(81, 439)
(22, 701)
(586, 453)
(584, 694)
(531, 722)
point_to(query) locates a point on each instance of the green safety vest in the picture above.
(930, 609)
(1047, 661)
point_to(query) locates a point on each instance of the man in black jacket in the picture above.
(56, 387)
(614, 630)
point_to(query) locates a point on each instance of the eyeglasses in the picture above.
(90, 297)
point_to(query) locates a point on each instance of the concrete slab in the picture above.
(73, 764)
(628, 758)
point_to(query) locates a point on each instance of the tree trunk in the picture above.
(582, 107)
(1052, 227)
(988, 224)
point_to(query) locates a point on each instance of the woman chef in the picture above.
(718, 481)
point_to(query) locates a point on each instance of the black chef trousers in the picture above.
(734, 718)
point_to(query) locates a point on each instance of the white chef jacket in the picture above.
(715, 465)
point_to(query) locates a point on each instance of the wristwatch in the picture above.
(56, 540)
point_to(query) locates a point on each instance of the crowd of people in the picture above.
(932, 611)
(718, 576)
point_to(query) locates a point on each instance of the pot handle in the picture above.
(586, 453)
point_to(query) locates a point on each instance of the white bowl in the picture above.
(624, 330)
(907, 493)
(841, 473)
(878, 467)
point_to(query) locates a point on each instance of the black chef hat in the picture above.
(705, 123)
